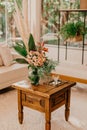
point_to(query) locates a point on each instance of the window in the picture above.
(8, 29)
(49, 20)
(2, 23)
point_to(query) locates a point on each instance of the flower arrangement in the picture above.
(35, 56)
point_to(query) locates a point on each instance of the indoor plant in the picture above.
(34, 55)
(72, 31)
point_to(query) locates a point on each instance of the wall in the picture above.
(74, 56)
(83, 4)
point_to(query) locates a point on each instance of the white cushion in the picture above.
(12, 74)
(6, 54)
(1, 62)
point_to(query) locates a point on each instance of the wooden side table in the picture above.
(44, 98)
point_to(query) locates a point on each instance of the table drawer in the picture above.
(32, 100)
(57, 99)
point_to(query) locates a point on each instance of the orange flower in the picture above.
(45, 49)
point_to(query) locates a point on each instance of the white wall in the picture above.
(74, 56)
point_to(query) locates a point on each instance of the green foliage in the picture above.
(76, 4)
(72, 29)
(47, 67)
(31, 43)
(20, 48)
(50, 13)
(34, 77)
(33, 57)
(21, 60)
(64, 4)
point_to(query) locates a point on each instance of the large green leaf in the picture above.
(21, 44)
(21, 49)
(21, 61)
(31, 43)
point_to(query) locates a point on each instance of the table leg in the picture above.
(20, 107)
(67, 104)
(47, 116)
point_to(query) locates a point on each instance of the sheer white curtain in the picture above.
(25, 11)
(34, 17)
(28, 19)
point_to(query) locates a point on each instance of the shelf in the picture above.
(73, 10)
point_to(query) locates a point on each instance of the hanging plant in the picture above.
(73, 31)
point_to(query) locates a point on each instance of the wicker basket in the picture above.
(75, 39)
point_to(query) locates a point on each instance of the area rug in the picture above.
(34, 120)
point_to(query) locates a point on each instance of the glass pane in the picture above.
(8, 29)
(2, 23)
(12, 32)
(49, 22)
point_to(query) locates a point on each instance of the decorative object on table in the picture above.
(35, 56)
(55, 79)
(73, 31)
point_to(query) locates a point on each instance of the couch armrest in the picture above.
(16, 55)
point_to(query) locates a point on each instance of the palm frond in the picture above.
(31, 43)
(20, 49)
(21, 61)
(21, 44)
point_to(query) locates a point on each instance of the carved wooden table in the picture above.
(44, 98)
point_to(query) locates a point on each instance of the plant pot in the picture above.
(75, 39)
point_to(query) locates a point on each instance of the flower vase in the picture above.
(34, 77)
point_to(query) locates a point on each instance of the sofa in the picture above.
(11, 73)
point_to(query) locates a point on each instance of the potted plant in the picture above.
(73, 31)
(34, 55)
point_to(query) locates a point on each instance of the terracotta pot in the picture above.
(83, 4)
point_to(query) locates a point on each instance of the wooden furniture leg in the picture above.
(47, 115)
(20, 107)
(67, 104)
